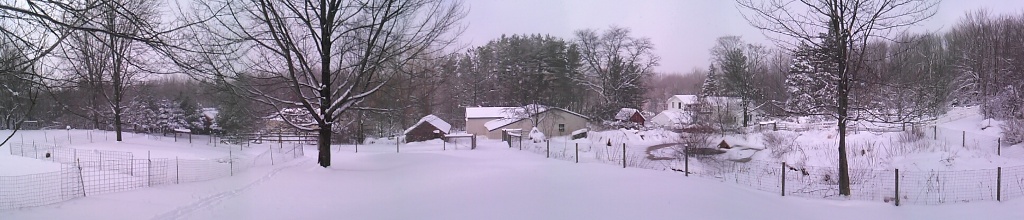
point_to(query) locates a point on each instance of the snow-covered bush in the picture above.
(780, 143)
(536, 135)
(1013, 131)
(693, 141)
(910, 136)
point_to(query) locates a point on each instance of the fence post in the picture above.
(999, 146)
(783, 178)
(190, 137)
(623, 155)
(548, 150)
(357, 147)
(397, 145)
(473, 145)
(131, 164)
(686, 159)
(577, 152)
(999, 183)
(231, 163)
(176, 171)
(271, 155)
(35, 150)
(897, 187)
(520, 141)
(149, 167)
(81, 178)
(935, 132)
(963, 138)
(444, 144)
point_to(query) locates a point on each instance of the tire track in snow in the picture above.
(206, 202)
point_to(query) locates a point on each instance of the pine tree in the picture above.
(810, 83)
(711, 86)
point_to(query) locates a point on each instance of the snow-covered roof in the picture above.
(692, 99)
(210, 113)
(432, 120)
(625, 113)
(673, 115)
(491, 112)
(497, 123)
(686, 99)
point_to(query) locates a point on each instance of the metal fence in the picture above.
(91, 172)
(895, 186)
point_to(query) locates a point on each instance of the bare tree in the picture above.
(848, 25)
(105, 65)
(615, 66)
(325, 56)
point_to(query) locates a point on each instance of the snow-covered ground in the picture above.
(492, 182)
(445, 180)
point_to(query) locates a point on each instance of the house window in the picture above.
(561, 127)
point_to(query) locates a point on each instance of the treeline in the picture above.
(595, 73)
(910, 78)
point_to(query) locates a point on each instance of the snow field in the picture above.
(492, 182)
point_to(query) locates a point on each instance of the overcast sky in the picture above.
(682, 30)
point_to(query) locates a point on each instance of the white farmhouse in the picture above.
(683, 108)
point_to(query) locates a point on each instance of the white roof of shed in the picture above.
(433, 120)
(625, 113)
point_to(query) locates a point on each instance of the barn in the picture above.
(490, 121)
(429, 127)
(631, 115)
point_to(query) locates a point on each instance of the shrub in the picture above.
(780, 143)
(1013, 131)
(913, 135)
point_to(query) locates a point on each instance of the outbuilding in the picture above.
(429, 127)
(631, 116)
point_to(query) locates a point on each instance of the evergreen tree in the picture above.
(810, 83)
(711, 85)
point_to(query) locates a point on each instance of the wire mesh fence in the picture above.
(91, 172)
(965, 139)
(924, 187)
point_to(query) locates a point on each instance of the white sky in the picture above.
(682, 30)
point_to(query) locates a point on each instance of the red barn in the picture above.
(630, 115)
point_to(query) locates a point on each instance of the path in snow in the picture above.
(184, 211)
(652, 149)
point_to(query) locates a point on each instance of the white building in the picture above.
(490, 121)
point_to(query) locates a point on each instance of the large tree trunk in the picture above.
(323, 146)
(116, 80)
(844, 174)
(842, 110)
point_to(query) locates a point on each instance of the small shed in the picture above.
(429, 127)
(630, 115)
